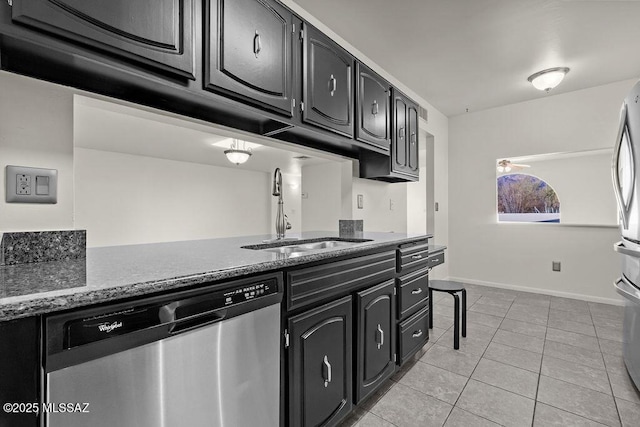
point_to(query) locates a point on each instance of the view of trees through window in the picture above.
(526, 198)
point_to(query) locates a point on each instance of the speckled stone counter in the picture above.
(117, 272)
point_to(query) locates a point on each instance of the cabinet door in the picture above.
(412, 139)
(159, 33)
(399, 140)
(327, 76)
(320, 385)
(376, 338)
(404, 144)
(250, 52)
(372, 108)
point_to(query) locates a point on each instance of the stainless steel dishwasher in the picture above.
(205, 357)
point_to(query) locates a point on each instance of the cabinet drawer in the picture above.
(320, 282)
(413, 333)
(413, 291)
(435, 259)
(413, 257)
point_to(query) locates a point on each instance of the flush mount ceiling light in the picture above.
(548, 79)
(238, 153)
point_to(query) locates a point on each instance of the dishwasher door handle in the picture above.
(196, 321)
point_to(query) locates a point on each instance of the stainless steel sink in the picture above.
(302, 246)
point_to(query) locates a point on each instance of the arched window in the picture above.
(526, 198)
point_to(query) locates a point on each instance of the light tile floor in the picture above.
(527, 360)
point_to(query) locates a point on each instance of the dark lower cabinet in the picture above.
(158, 33)
(373, 118)
(413, 334)
(20, 370)
(327, 83)
(320, 359)
(249, 52)
(375, 338)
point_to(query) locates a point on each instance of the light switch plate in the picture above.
(31, 185)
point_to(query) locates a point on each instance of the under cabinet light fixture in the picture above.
(238, 155)
(548, 79)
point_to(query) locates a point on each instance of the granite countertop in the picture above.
(116, 272)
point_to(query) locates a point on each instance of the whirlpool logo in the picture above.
(109, 327)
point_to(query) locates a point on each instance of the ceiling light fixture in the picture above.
(238, 155)
(548, 79)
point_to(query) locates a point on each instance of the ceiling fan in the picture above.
(506, 166)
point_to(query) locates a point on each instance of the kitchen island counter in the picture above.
(118, 272)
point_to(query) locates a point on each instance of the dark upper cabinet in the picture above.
(402, 164)
(404, 152)
(157, 33)
(320, 371)
(327, 83)
(249, 52)
(373, 113)
(376, 338)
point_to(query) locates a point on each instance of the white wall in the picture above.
(520, 255)
(36, 129)
(376, 213)
(127, 199)
(322, 197)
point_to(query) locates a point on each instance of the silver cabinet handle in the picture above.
(326, 371)
(257, 44)
(374, 107)
(401, 133)
(435, 259)
(622, 130)
(416, 257)
(416, 291)
(627, 290)
(381, 335)
(621, 249)
(413, 138)
(333, 84)
(417, 333)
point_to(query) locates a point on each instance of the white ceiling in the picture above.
(109, 126)
(477, 54)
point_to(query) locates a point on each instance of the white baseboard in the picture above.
(539, 291)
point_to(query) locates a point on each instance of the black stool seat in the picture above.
(451, 288)
(446, 286)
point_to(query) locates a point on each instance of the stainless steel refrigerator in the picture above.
(626, 176)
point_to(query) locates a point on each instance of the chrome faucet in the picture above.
(282, 224)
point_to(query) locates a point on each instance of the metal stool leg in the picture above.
(430, 308)
(456, 321)
(464, 312)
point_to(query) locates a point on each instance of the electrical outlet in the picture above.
(391, 204)
(555, 265)
(30, 185)
(23, 184)
(360, 201)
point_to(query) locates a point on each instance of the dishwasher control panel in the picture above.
(250, 292)
(94, 325)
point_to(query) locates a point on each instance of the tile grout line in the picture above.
(615, 402)
(544, 344)
(474, 369)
